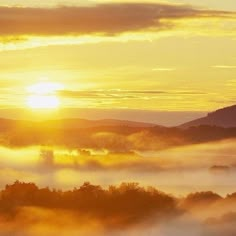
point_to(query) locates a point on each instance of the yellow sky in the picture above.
(180, 58)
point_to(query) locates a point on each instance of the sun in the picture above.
(43, 102)
(43, 95)
(45, 88)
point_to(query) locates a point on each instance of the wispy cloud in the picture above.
(109, 94)
(164, 69)
(123, 94)
(224, 66)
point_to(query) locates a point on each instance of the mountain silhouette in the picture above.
(9, 124)
(225, 117)
(114, 135)
(83, 123)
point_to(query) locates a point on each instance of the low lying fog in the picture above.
(181, 170)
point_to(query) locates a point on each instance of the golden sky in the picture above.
(174, 55)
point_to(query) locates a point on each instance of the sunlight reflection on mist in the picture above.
(178, 170)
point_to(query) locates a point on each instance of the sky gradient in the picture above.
(115, 55)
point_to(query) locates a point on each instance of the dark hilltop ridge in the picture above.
(225, 117)
(118, 135)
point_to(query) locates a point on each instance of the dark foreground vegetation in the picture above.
(121, 205)
(128, 209)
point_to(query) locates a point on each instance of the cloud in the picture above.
(109, 94)
(224, 66)
(123, 94)
(164, 69)
(105, 19)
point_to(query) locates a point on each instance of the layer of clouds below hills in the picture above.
(179, 171)
(209, 166)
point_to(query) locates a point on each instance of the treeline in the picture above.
(120, 205)
(116, 206)
(125, 204)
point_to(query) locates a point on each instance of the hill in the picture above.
(113, 135)
(10, 124)
(225, 117)
(83, 123)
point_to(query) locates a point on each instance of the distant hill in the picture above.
(9, 124)
(83, 123)
(225, 117)
(114, 135)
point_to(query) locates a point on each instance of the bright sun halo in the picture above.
(43, 95)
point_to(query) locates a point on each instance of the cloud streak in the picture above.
(122, 94)
(224, 66)
(105, 19)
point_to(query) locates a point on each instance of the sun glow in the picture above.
(43, 95)
(43, 102)
(45, 88)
